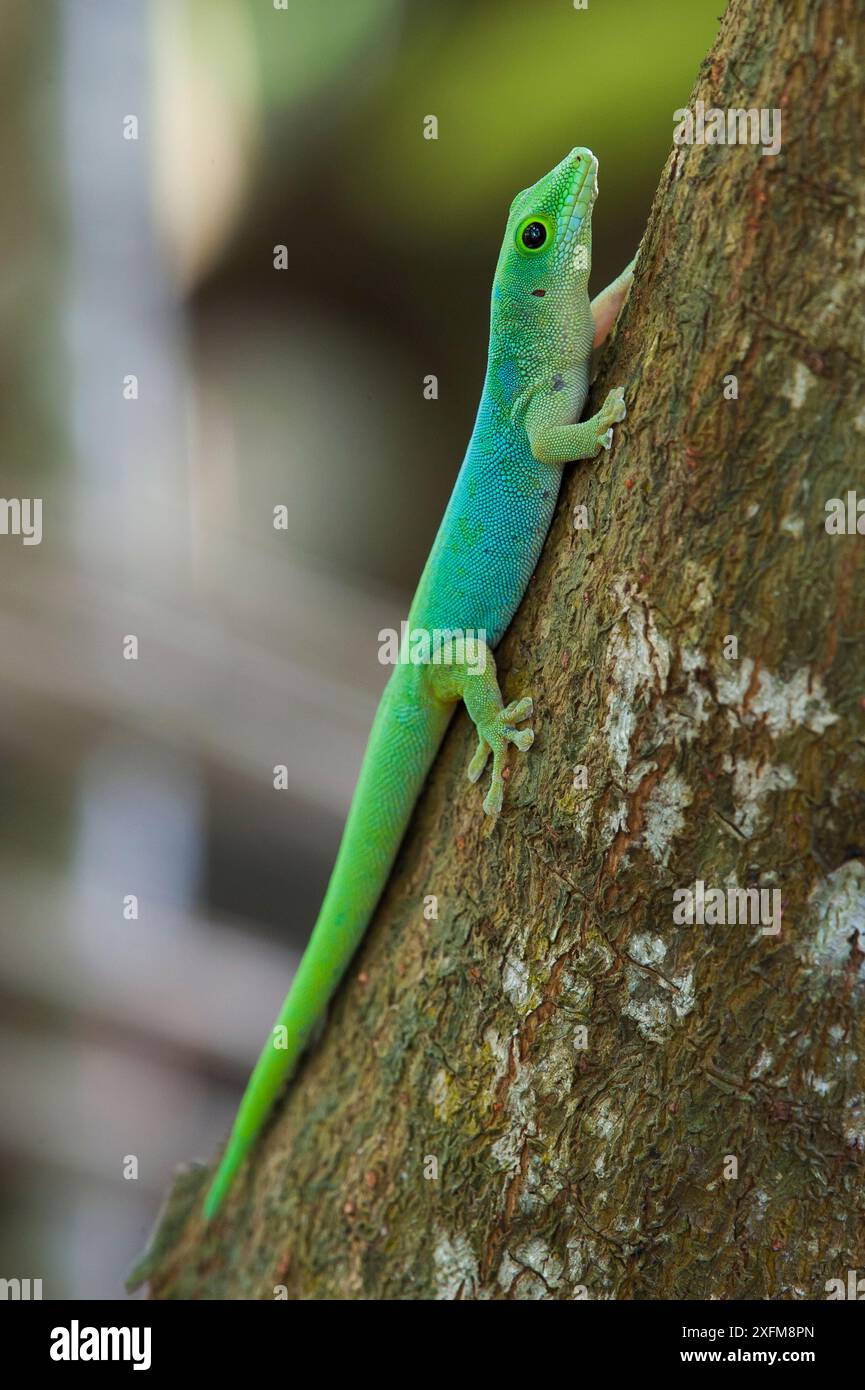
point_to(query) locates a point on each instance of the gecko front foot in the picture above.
(611, 412)
(585, 440)
(494, 734)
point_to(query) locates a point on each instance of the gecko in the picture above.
(543, 329)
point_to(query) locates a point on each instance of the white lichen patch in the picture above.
(555, 1072)
(764, 1061)
(578, 1259)
(508, 1271)
(684, 997)
(837, 911)
(651, 1015)
(596, 956)
(501, 1052)
(656, 1004)
(820, 1084)
(648, 950)
(583, 815)
(783, 705)
(854, 1123)
(731, 682)
(752, 783)
(536, 1255)
(455, 1267)
(541, 1185)
(756, 1211)
(664, 815)
(515, 981)
(545, 1169)
(515, 1277)
(791, 704)
(575, 990)
(678, 720)
(696, 707)
(521, 1110)
(606, 1120)
(796, 388)
(638, 659)
(615, 820)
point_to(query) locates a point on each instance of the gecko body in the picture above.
(542, 332)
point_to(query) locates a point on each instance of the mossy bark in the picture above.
(455, 1133)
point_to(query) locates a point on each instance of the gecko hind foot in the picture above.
(493, 737)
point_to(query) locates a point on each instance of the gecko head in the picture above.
(547, 249)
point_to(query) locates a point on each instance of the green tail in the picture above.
(402, 744)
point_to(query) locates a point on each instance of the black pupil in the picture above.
(534, 235)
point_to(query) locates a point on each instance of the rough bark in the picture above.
(566, 1171)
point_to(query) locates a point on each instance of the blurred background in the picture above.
(164, 389)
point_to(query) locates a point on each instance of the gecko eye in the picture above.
(533, 234)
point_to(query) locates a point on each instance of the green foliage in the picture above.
(513, 84)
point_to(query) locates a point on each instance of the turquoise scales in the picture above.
(542, 331)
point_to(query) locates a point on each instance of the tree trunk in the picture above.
(554, 1088)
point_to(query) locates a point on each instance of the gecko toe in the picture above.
(479, 761)
(520, 738)
(494, 798)
(518, 710)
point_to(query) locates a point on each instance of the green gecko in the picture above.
(542, 333)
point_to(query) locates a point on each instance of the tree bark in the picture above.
(540, 1093)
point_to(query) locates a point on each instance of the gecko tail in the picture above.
(402, 744)
(234, 1155)
(296, 1028)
